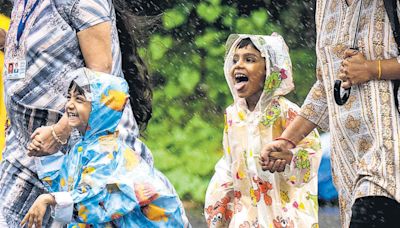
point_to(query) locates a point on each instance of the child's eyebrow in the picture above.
(246, 55)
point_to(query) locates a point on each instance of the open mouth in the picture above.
(72, 114)
(241, 78)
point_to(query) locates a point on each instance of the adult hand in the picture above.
(270, 158)
(37, 211)
(43, 143)
(3, 34)
(355, 69)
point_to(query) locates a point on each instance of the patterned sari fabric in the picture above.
(102, 181)
(240, 194)
(364, 131)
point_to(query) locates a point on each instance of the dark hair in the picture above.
(245, 42)
(75, 87)
(133, 67)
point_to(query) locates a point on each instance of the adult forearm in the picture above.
(388, 69)
(298, 129)
(62, 129)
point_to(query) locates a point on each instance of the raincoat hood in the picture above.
(278, 80)
(108, 95)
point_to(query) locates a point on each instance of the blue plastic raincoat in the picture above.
(102, 181)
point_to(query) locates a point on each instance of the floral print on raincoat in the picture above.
(102, 181)
(240, 194)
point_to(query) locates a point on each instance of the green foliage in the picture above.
(186, 60)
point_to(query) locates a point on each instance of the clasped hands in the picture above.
(355, 69)
(275, 156)
(43, 143)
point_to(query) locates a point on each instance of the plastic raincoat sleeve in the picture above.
(315, 107)
(97, 190)
(220, 193)
(306, 156)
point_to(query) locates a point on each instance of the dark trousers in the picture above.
(375, 211)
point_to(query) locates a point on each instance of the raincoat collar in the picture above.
(278, 80)
(108, 95)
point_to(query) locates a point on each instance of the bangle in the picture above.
(379, 70)
(53, 132)
(287, 140)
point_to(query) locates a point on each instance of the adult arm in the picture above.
(91, 20)
(279, 153)
(314, 112)
(95, 44)
(302, 162)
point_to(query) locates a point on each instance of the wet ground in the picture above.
(328, 217)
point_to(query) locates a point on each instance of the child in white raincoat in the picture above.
(258, 71)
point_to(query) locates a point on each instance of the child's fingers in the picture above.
(282, 166)
(36, 143)
(36, 132)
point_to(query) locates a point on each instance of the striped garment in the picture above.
(365, 131)
(49, 45)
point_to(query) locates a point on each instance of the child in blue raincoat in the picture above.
(102, 181)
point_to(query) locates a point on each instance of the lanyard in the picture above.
(24, 19)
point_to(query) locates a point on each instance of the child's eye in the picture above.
(80, 99)
(250, 60)
(234, 61)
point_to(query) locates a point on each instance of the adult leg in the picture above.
(375, 211)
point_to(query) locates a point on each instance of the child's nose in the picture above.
(240, 63)
(69, 105)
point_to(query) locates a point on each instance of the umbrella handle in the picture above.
(337, 92)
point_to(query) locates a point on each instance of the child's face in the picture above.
(78, 110)
(248, 72)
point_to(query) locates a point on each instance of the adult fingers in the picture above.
(350, 52)
(277, 155)
(24, 220)
(38, 223)
(345, 63)
(346, 84)
(31, 220)
(342, 76)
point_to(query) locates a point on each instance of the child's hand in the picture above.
(275, 162)
(38, 209)
(286, 155)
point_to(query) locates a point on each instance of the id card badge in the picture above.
(14, 70)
